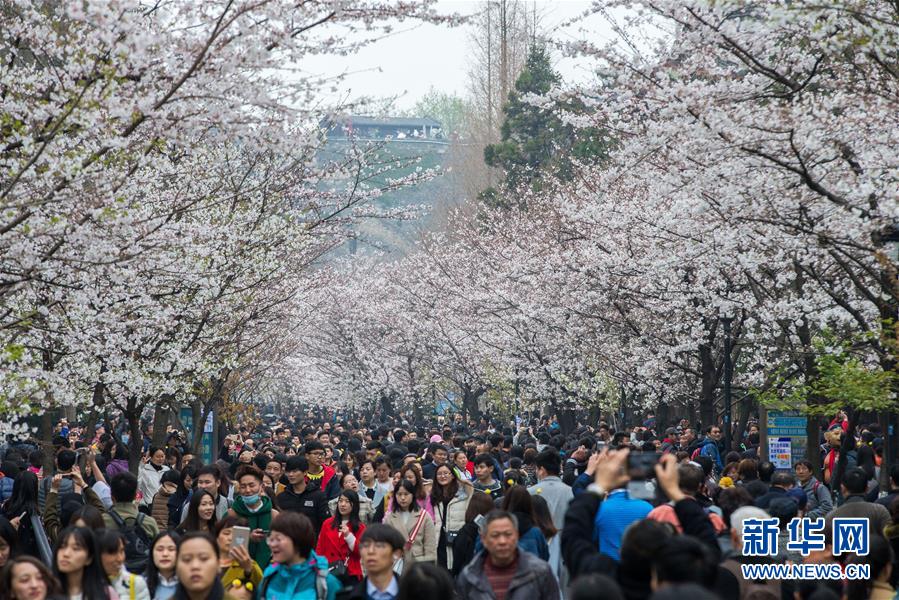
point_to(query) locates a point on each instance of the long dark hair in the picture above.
(419, 484)
(187, 471)
(151, 574)
(518, 500)
(192, 520)
(407, 485)
(353, 519)
(440, 494)
(24, 496)
(94, 583)
(424, 580)
(542, 517)
(53, 589)
(90, 515)
(8, 534)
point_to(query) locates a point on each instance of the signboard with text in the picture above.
(787, 438)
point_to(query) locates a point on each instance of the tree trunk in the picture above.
(387, 407)
(883, 419)
(709, 383)
(46, 441)
(136, 443)
(567, 420)
(90, 426)
(161, 416)
(470, 408)
(744, 409)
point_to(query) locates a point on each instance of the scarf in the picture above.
(259, 519)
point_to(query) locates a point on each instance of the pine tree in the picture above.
(536, 146)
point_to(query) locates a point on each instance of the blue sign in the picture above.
(786, 424)
(206, 442)
(787, 427)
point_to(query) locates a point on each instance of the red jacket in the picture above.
(333, 547)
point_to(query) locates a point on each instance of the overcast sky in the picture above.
(420, 56)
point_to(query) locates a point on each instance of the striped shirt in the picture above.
(499, 578)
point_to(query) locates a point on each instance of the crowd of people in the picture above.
(340, 506)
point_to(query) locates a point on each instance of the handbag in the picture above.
(338, 569)
(450, 536)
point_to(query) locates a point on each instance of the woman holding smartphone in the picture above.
(20, 507)
(235, 562)
(340, 534)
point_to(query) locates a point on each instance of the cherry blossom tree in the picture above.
(161, 197)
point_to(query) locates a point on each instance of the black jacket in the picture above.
(312, 502)
(176, 504)
(463, 547)
(571, 469)
(764, 501)
(355, 592)
(359, 591)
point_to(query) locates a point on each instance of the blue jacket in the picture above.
(297, 582)
(710, 448)
(6, 484)
(617, 512)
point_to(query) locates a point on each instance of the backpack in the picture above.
(321, 585)
(137, 542)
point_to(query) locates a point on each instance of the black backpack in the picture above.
(137, 542)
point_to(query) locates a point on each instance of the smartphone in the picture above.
(641, 469)
(240, 536)
(641, 465)
(479, 521)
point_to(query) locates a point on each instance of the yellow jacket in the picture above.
(235, 571)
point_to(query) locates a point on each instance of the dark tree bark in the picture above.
(470, 399)
(567, 420)
(160, 422)
(708, 386)
(136, 445)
